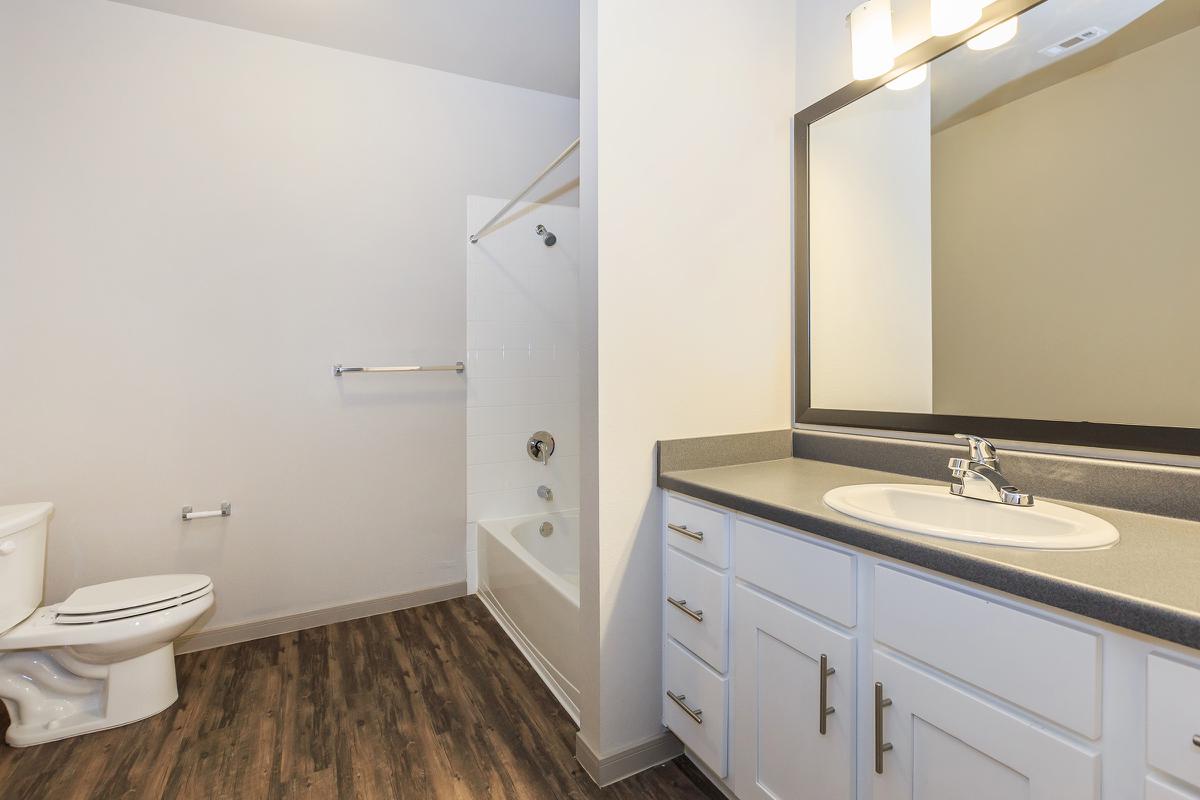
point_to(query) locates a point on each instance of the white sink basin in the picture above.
(933, 511)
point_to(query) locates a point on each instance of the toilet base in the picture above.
(55, 693)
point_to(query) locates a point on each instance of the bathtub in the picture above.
(530, 583)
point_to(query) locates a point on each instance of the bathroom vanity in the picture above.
(808, 654)
(989, 239)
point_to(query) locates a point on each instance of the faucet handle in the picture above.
(540, 446)
(982, 450)
(959, 467)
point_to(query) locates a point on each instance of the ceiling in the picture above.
(529, 43)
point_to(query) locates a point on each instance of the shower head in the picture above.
(548, 238)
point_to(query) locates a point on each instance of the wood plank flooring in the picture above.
(431, 702)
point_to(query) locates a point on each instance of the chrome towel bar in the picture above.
(457, 366)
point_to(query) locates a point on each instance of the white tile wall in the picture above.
(522, 361)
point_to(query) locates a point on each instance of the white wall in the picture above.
(196, 222)
(522, 361)
(686, 119)
(871, 316)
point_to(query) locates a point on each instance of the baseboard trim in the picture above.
(274, 626)
(630, 761)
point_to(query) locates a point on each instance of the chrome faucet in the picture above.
(979, 476)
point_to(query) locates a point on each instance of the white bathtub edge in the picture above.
(504, 536)
(541, 666)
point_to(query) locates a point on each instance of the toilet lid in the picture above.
(130, 597)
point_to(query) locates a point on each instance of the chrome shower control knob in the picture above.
(540, 446)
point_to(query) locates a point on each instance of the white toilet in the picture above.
(103, 657)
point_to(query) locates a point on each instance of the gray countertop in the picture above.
(1148, 582)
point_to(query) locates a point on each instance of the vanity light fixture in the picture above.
(910, 80)
(947, 17)
(871, 39)
(992, 38)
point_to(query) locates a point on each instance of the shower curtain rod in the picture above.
(558, 160)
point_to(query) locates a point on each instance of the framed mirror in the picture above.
(1001, 235)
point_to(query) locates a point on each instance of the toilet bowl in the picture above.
(103, 657)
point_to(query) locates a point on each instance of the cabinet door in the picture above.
(947, 744)
(1173, 718)
(779, 748)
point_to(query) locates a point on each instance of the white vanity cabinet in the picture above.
(794, 731)
(695, 608)
(827, 673)
(938, 742)
(1173, 718)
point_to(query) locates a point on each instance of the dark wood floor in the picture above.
(429, 702)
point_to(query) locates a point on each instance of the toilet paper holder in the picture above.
(225, 510)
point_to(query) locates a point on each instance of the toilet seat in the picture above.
(132, 597)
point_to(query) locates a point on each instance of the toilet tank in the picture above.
(22, 560)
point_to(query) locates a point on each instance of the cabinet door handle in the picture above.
(1196, 740)
(881, 746)
(682, 605)
(824, 709)
(683, 529)
(695, 713)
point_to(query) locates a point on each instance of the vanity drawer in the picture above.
(1045, 667)
(1157, 790)
(696, 590)
(698, 530)
(818, 578)
(1173, 718)
(694, 707)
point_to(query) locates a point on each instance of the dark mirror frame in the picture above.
(1090, 434)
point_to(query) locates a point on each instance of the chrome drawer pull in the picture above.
(694, 713)
(682, 605)
(824, 710)
(697, 535)
(1196, 740)
(881, 746)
